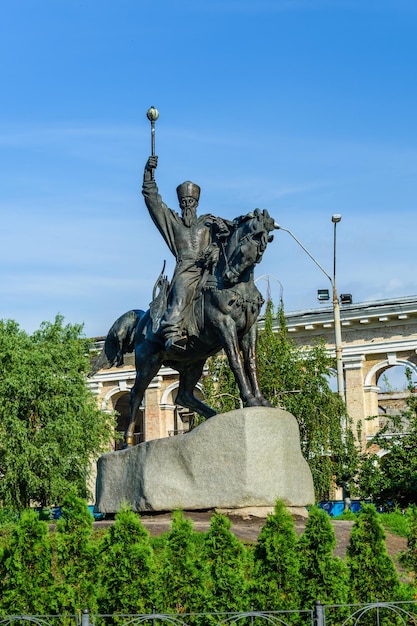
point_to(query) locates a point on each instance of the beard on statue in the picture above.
(189, 216)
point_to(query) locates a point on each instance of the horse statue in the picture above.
(225, 311)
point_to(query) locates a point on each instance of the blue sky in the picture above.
(304, 107)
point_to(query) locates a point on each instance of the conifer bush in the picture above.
(372, 573)
(26, 581)
(190, 573)
(227, 562)
(76, 558)
(323, 576)
(275, 577)
(183, 581)
(127, 566)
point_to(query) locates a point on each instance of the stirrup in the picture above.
(177, 344)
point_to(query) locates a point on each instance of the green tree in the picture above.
(409, 558)
(275, 577)
(372, 572)
(75, 557)
(296, 379)
(220, 387)
(323, 576)
(183, 579)
(227, 562)
(50, 426)
(26, 581)
(391, 480)
(127, 566)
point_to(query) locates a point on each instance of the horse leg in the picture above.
(189, 377)
(229, 340)
(147, 363)
(248, 347)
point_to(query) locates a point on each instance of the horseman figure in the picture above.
(195, 242)
(211, 304)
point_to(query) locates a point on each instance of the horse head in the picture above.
(247, 244)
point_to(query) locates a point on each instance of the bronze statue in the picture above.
(211, 304)
(195, 242)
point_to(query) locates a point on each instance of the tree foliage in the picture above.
(227, 562)
(26, 581)
(50, 426)
(275, 578)
(296, 379)
(323, 576)
(409, 558)
(190, 572)
(220, 387)
(76, 558)
(127, 567)
(371, 570)
(183, 579)
(391, 479)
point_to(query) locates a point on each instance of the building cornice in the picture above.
(392, 312)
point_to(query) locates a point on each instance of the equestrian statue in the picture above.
(211, 303)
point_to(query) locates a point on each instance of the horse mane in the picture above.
(251, 232)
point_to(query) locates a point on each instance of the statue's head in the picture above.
(188, 196)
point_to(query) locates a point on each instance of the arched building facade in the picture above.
(160, 415)
(376, 336)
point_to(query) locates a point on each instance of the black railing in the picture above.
(401, 613)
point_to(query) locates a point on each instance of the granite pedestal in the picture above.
(242, 459)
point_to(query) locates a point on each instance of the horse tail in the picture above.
(119, 340)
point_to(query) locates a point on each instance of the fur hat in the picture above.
(188, 190)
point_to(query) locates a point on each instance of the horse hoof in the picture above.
(254, 402)
(265, 402)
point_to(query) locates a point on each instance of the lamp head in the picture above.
(336, 218)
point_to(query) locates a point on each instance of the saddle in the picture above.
(159, 303)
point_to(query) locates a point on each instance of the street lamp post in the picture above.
(336, 312)
(336, 305)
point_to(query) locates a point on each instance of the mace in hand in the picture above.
(152, 114)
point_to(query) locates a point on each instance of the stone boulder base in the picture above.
(244, 458)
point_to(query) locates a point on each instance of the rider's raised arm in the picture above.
(150, 189)
(163, 217)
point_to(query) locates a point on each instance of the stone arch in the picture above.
(121, 406)
(105, 401)
(117, 399)
(382, 366)
(169, 394)
(182, 417)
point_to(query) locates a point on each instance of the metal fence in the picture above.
(372, 614)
